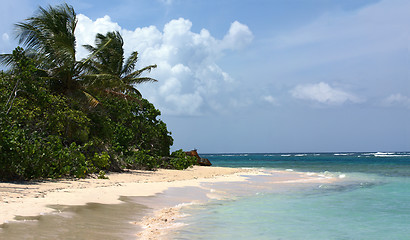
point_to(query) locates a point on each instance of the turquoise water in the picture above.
(371, 202)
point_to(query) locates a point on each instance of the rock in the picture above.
(204, 162)
(200, 161)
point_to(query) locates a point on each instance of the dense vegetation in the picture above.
(64, 117)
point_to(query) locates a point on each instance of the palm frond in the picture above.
(134, 77)
(93, 102)
(90, 48)
(139, 80)
(7, 60)
(124, 96)
(130, 63)
(95, 53)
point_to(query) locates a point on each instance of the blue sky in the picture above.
(262, 76)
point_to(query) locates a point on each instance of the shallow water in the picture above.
(372, 201)
(92, 221)
(98, 221)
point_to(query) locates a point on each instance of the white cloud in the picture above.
(238, 36)
(270, 100)
(397, 99)
(189, 79)
(323, 93)
(87, 29)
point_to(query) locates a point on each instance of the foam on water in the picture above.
(370, 201)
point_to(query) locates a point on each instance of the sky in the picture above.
(262, 76)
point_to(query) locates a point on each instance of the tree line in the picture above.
(60, 116)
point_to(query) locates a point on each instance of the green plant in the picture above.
(141, 160)
(51, 123)
(101, 175)
(179, 160)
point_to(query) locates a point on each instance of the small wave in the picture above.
(300, 155)
(389, 154)
(289, 170)
(184, 204)
(285, 155)
(383, 153)
(392, 155)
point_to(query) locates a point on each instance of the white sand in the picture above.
(32, 198)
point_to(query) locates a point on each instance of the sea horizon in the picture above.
(359, 196)
(372, 192)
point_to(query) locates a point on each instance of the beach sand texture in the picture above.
(34, 198)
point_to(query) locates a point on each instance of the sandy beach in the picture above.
(32, 198)
(35, 197)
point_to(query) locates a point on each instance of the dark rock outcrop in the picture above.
(200, 161)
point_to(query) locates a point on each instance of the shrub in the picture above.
(179, 160)
(141, 160)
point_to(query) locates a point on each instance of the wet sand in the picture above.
(137, 204)
(33, 198)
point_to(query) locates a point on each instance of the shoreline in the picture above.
(163, 222)
(33, 198)
(163, 191)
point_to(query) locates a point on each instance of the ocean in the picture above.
(371, 200)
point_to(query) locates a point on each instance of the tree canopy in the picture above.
(60, 116)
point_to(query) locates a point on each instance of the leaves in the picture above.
(107, 70)
(63, 117)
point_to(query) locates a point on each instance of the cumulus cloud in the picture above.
(397, 99)
(238, 36)
(87, 29)
(189, 79)
(323, 93)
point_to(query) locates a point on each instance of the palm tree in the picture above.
(49, 40)
(110, 71)
(50, 33)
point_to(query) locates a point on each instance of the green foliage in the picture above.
(44, 135)
(141, 160)
(101, 161)
(51, 123)
(101, 175)
(179, 160)
(109, 69)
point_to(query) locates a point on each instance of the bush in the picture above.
(179, 160)
(26, 156)
(45, 134)
(141, 160)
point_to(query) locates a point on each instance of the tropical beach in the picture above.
(32, 198)
(326, 195)
(32, 201)
(211, 120)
